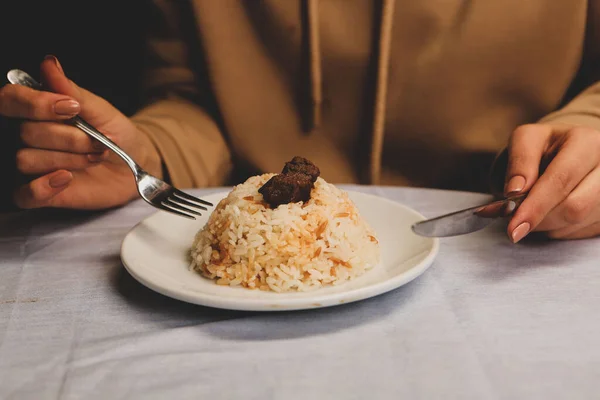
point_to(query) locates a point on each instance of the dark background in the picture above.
(100, 45)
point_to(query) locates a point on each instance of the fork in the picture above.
(154, 191)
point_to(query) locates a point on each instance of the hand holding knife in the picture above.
(476, 218)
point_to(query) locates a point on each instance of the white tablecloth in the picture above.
(489, 320)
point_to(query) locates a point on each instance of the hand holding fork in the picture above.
(55, 149)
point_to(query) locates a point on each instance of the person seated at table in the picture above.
(374, 92)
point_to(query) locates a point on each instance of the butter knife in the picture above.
(469, 220)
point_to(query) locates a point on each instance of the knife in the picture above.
(469, 220)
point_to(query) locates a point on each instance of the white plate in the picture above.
(155, 253)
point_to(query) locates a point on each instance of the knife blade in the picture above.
(468, 220)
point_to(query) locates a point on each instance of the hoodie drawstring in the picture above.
(383, 64)
(314, 46)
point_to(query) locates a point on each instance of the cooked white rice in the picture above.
(292, 247)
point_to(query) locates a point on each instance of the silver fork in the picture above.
(154, 191)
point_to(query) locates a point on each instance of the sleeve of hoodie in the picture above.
(176, 117)
(584, 107)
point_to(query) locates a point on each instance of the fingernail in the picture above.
(515, 185)
(520, 232)
(67, 107)
(60, 180)
(96, 158)
(55, 60)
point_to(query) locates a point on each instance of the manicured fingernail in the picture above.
(520, 232)
(96, 158)
(55, 60)
(515, 185)
(67, 107)
(60, 180)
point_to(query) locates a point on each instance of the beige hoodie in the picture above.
(421, 93)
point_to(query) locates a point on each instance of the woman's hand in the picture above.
(68, 168)
(564, 201)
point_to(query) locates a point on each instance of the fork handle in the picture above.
(99, 136)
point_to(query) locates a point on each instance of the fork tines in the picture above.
(183, 195)
(183, 204)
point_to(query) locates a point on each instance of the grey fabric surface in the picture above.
(489, 320)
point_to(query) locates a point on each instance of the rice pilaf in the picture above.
(294, 247)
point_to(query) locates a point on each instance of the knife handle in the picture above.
(500, 208)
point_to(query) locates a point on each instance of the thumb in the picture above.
(93, 108)
(525, 152)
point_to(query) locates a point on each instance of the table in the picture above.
(488, 320)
